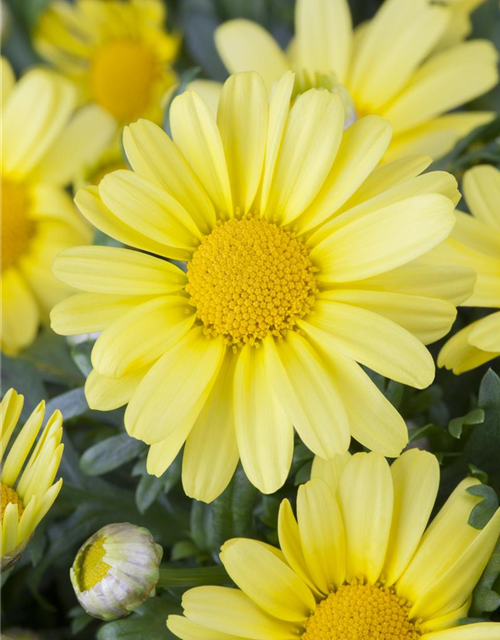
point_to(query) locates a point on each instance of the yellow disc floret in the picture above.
(17, 228)
(9, 495)
(122, 76)
(93, 568)
(361, 612)
(250, 278)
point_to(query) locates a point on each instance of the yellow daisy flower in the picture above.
(118, 53)
(44, 145)
(303, 258)
(356, 563)
(27, 494)
(475, 242)
(390, 66)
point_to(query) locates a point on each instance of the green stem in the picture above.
(171, 577)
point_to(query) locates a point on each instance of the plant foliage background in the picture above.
(104, 471)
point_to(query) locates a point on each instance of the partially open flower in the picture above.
(116, 570)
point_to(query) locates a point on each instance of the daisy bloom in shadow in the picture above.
(475, 242)
(27, 489)
(356, 562)
(397, 66)
(45, 144)
(303, 259)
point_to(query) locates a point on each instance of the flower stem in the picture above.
(172, 577)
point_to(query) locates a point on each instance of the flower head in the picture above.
(27, 489)
(118, 53)
(116, 570)
(44, 145)
(302, 259)
(399, 65)
(475, 242)
(357, 562)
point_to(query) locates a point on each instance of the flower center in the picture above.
(305, 80)
(361, 612)
(250, 278)
(17, 228)
(122, 76)
(93, 569)
(8, 495)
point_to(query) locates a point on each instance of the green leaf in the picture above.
(71, 404)
(81, 353)
(183, 549)
(485, 510)
(148, 489)
(147, 623)
(110, 454)
(456, 425)
(25, 378)
(51, 355)
(485, 598)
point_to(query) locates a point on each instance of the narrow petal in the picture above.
(106, 394)
(211, 451)
(117, 271)
(415, 478)
(230, 611)
(10, 410)
(460, 356)
(20, 315)
(22, 445)
(308, 393)
(196, 134)
(142, 335)
(366, 498)
(162, 454)
(322, 535)
(244, 45)
(267, 580)
(263, 430)
(482, 191)
(154, 156)
(176, 387)
(485, 334)
(242, 119)
(330, 471)
(478, 631)
(310, 142)
(209, 90)
(323, 36)
(188, 630)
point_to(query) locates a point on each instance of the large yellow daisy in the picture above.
(356, 564)
(475, 242)
(390, 66)
(303, 259)
(27, 489)
(44, 145)
(118, 52)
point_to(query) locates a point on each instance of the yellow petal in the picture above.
(263, 430)
(229, 611)
(209, 90)
(10, 410)
(21, 448)
(117, 271)
(330, 471)
(244, 45)
(310, 142)
(366, 336)
(482, 192)
(485, 334)
(8, 80)
(106, 394)
(447, 621)
(308, 393)
(447, 80)
(196, 134)
(90, 204)
(211, 452)
(363, 145)
(415, 478)
(188, 630)
(148, 208)
(476, 234)
(478, 631)
(154, 156)
(267, 580)
(20, 315)
(366, 502)
(175, 388)
(322, 535)
(380, 241)
(9, 531)
(323, 36)
(142, 335)
(162, 454)
(242, 120)
(460, 356)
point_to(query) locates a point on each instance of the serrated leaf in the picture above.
(485, 598)
(456, 425)
(485, 510)
(110, 454)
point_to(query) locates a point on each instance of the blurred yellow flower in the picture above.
(303, 259)
(44, 145)
(459, 25)
(356, 563)
(118, 53)
(393, 66)
(27, 494)
(475, 242)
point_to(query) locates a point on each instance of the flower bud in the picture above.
(116, 570)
